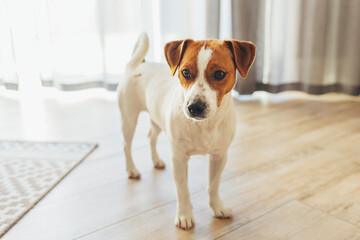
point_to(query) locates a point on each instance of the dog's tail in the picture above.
(139, 52)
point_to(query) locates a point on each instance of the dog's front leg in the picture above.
(217, 163)
(184, 216)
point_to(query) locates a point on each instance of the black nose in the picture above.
(196, 108)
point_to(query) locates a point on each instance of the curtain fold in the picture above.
(83, 43)
(306, 45)
(8, 73)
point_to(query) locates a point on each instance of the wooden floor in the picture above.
(293, 172)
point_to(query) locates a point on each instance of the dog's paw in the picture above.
(133, 174)
(185, 221)
(159, 164)
(222, 212)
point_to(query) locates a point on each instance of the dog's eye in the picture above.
(186, 73)
(219, 75)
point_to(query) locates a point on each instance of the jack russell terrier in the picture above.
(195, 109)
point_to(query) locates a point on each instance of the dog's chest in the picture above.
(199, 139)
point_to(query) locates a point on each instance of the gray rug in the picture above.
(29, 170)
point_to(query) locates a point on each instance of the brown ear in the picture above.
(174, 52)
(244, 55)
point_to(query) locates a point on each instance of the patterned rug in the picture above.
(29, 170)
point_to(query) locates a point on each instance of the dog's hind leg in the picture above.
(128, 125)
(153, 135)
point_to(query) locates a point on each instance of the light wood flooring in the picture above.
(293, 171)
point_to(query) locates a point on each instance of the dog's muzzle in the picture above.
(196, 109)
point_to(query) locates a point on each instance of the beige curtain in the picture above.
(307, 45)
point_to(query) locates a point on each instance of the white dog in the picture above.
(195, 109)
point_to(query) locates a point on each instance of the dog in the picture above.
(194, 109)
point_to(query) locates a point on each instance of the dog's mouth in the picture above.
(197, 119)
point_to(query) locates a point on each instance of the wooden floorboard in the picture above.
(296, 221)
(293, 172)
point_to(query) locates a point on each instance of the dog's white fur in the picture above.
(148, 87)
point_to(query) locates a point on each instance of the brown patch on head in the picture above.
(228, 56)
(189, 61)
(183, 55)
(137, 75)
(221, 60)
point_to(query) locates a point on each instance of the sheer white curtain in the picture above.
(76, 44)
(8, 72)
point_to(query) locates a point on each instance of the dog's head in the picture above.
(207, 71)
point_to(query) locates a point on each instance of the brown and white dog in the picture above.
(197, 115)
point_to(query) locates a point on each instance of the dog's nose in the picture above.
(196, 108)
